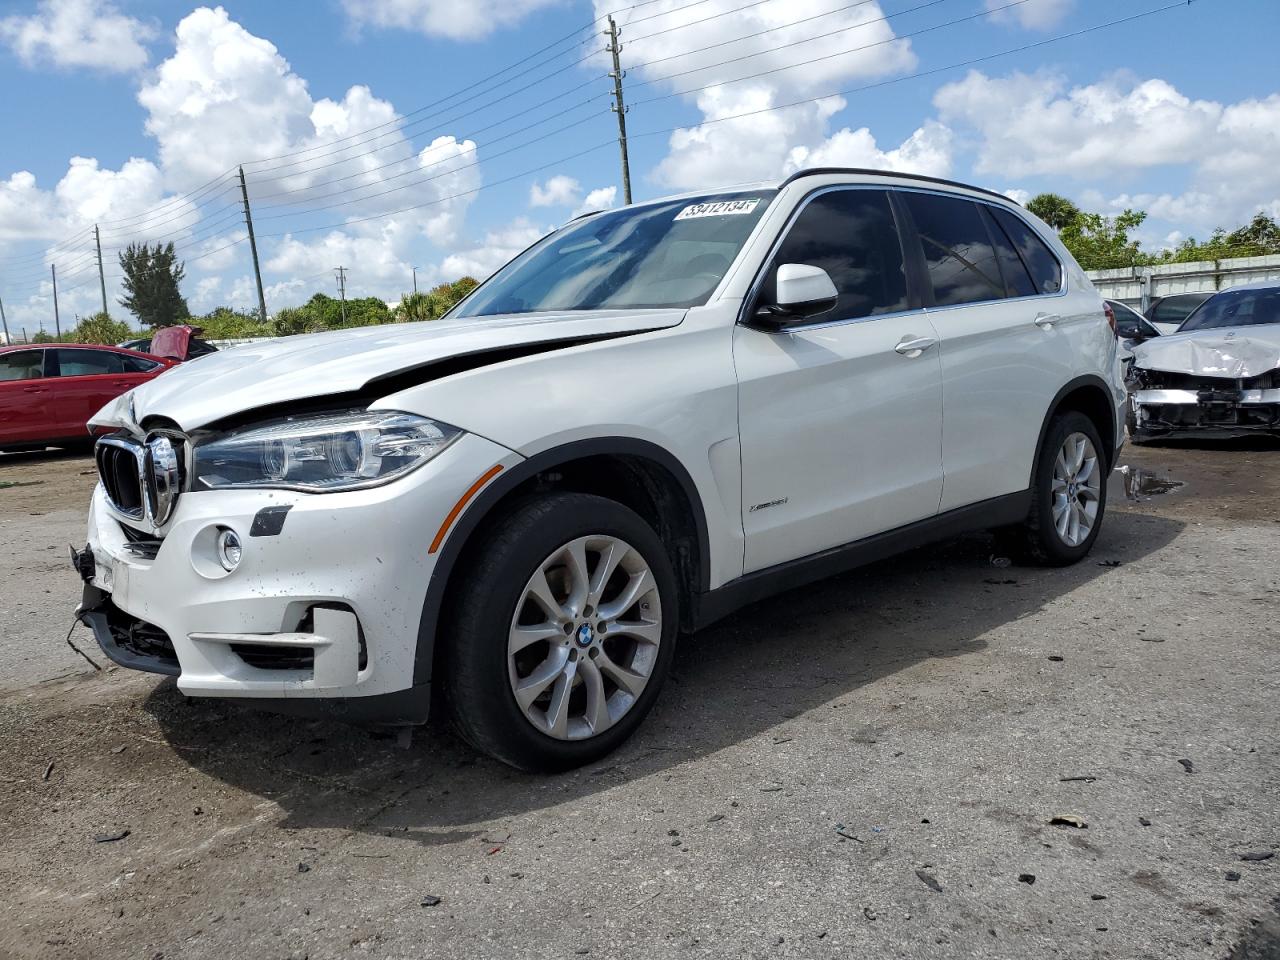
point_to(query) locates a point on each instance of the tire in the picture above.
(607, 663)
(1040, 539)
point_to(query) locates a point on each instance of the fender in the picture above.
(484, 503)
(1088, 380)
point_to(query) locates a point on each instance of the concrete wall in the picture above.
(1137, 286)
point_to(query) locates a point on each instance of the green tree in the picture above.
(42, 337)
(1055, 210)
(1258, 238)
(225, 323)
(1102, 243)
(434, 303)
(152, 275)
(100, 328)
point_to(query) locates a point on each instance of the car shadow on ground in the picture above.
(12, 458)
(1254, 443)
(737, 680)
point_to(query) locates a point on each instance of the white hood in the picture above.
(1236, 353)
(275, 371)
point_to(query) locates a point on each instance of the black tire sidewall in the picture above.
(477, 687)
(1052, 545)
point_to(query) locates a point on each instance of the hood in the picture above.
(269, 372)
(1237, 353)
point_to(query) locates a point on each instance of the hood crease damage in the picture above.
(301, 372)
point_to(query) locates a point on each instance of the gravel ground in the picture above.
(867, 768)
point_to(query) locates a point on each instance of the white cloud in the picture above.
(602, 198)
(1018, 195)
(226, 94)
(497, 247)
(558, 191)
(744, 135)
(1032, 14)
(1029, 125)
(443, 18)
(1033, 124)
(78, 33)
(927, 151)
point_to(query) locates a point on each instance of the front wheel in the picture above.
(1069, 493)
(564, 634)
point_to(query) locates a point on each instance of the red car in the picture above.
(48, 391)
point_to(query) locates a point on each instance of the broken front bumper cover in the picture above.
(1210, 411)
(321, 616)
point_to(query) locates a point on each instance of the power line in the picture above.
(783, 26)
(897, 38)
(310, 197)
(667, 130)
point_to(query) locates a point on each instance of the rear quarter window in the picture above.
(1045, 270)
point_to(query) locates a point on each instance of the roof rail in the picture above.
(867, 171)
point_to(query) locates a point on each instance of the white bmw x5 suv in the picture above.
(649, 418)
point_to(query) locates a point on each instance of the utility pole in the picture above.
(341, 274)
(102, 277)
(253, 248)
(618, 106)
(57, 324)
(415, 280)
(5, 321)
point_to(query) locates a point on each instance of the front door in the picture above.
(840, 421)
(24, 397)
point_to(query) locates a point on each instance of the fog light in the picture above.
(229, 550)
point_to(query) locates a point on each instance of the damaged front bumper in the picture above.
(1205, 410)
(322, 614)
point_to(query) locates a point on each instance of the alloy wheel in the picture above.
(584, 638)
(1076, 489)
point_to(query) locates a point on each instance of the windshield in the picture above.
(1236, 308)
(1176, 308)
(670, 254)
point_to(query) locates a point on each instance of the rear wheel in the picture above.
(564, 635)
(1069, 494)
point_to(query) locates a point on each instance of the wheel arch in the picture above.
(638, 473)
(1089, 395)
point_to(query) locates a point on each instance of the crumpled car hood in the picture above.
(275, 371)
(1237, 353)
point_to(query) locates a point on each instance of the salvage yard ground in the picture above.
(864, 768)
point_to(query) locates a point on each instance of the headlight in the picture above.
(345, 451)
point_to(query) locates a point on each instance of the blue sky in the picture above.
(1178, 113)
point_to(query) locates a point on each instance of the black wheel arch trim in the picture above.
(488, 498)
(1087, 380)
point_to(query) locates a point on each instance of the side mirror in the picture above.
(802, 291)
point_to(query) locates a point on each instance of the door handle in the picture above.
(914, 346)
(1046, 320)
(33, 389)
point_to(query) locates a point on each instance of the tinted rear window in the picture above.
(957, 249)
(1045, 270)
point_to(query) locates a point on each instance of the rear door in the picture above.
(1007, 332)
(85, 379)
(840, 422)
(24, 397)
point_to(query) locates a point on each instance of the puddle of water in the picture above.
(1139, 483)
